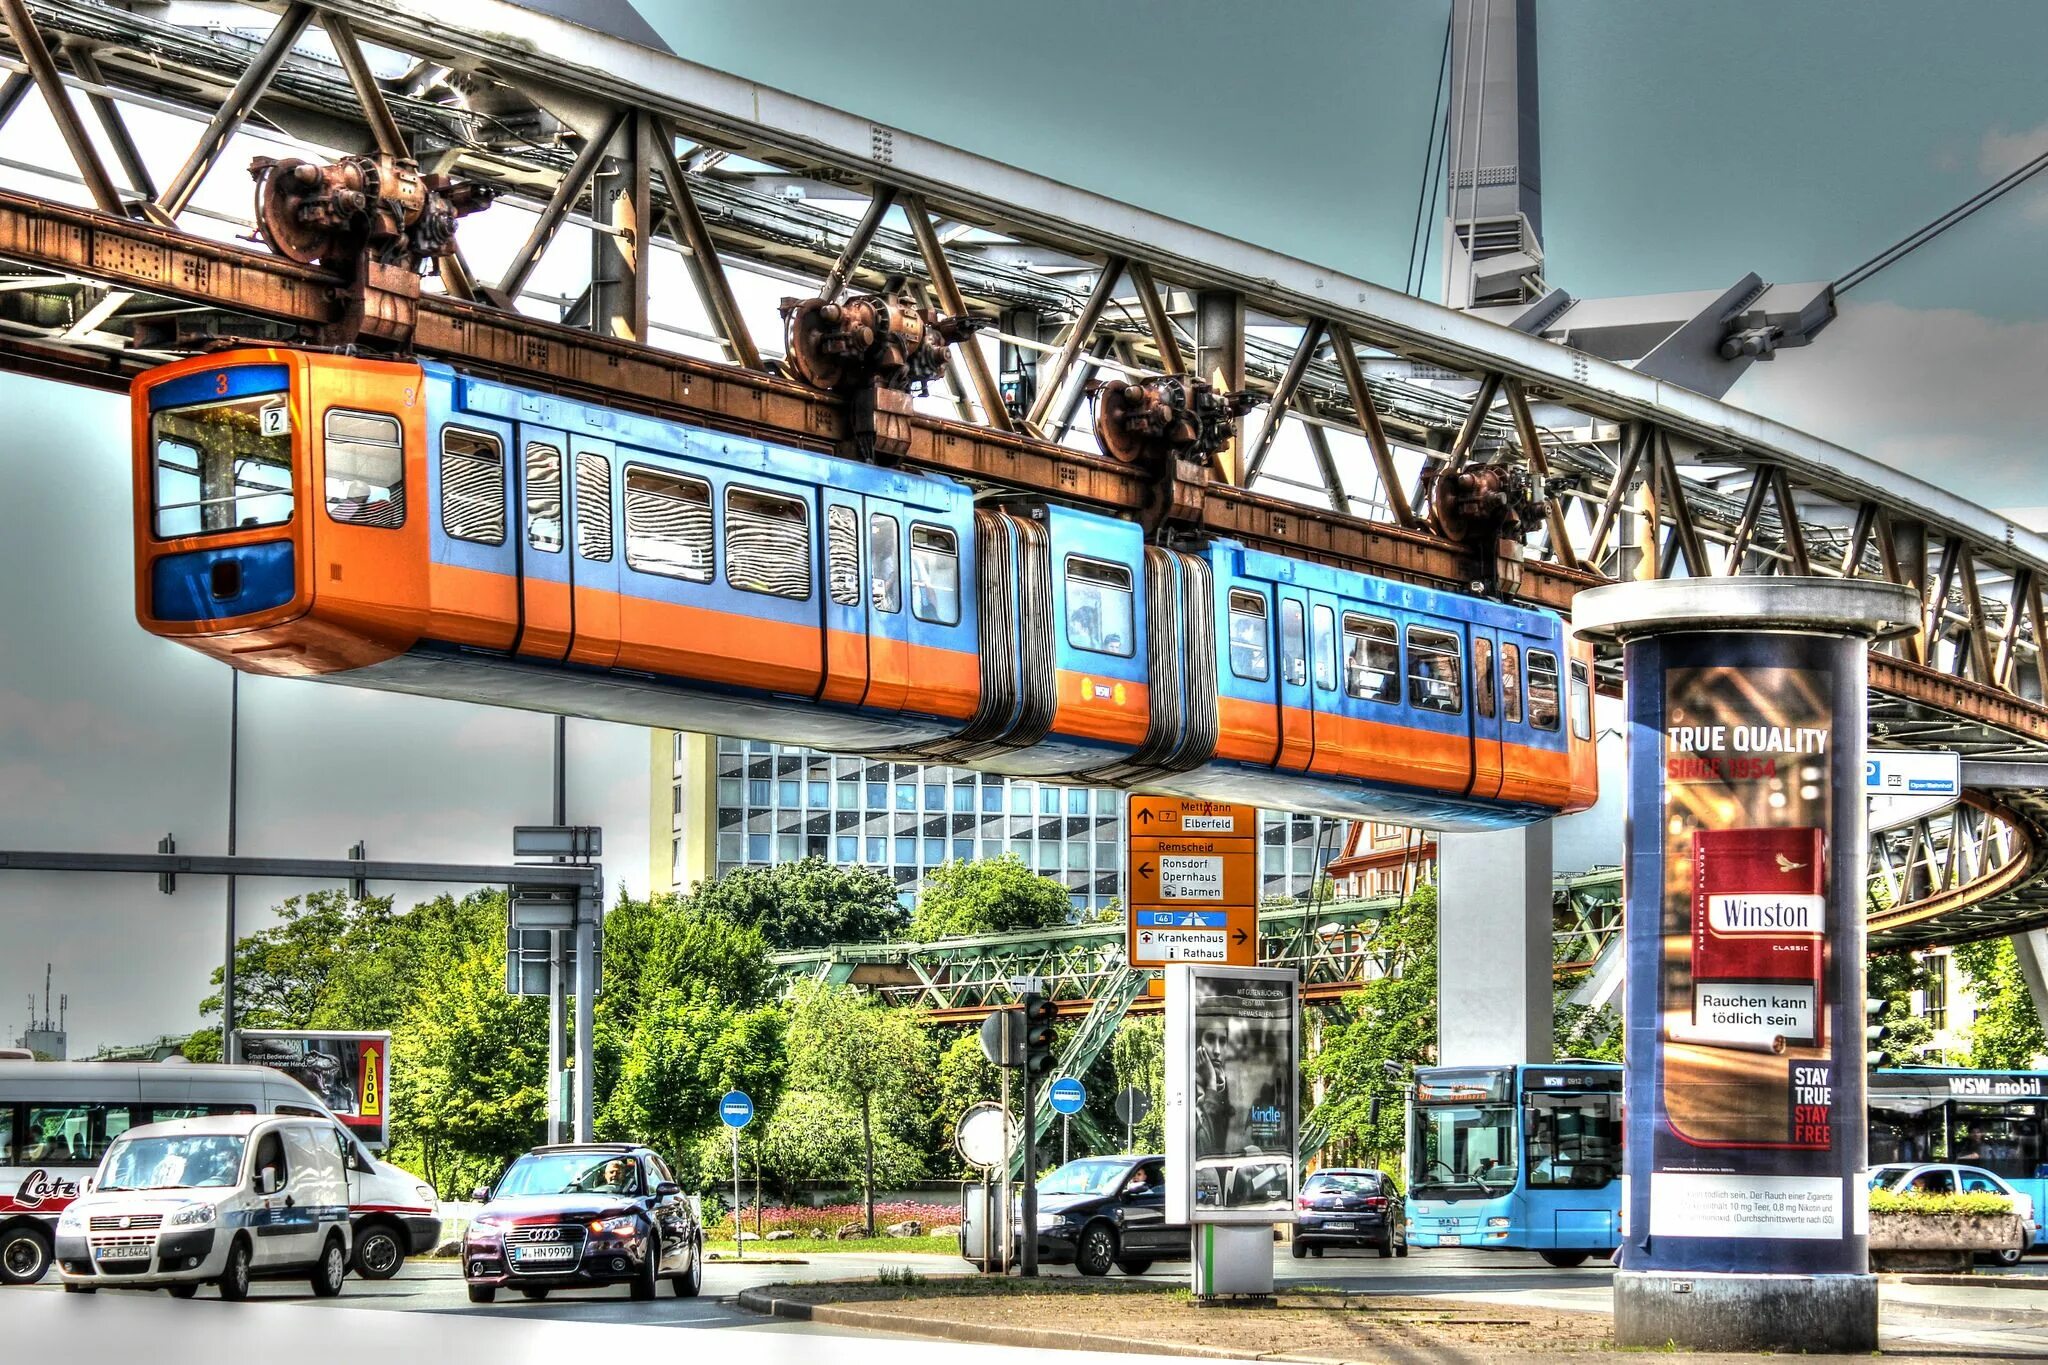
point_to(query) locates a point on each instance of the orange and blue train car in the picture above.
(414, 528)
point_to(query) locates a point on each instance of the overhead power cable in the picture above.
(1418, 242)
(1913, 241)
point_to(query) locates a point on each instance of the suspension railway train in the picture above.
(410, 527)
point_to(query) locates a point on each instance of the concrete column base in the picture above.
(1792, 1313)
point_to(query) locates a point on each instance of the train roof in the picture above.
(1348, 583)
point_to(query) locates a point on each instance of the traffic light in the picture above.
(1874, 1031)
(1038, 1050)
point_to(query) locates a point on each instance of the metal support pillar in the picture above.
(111, 123)
(619, 202)
(706, 270)
(1079, 336)
(1494, 947)
(953, 303)
(857, 245)
(558, 947)
(588, 907)
(551, 218)
(228, 1050)
(1493, 222)
(1219, 358)
(35, 55)
(2031, 948)
(235, 110)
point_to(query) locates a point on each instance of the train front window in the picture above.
(1098, 606)
(222, 466)
(364, 454)
(1574, 1140)
(934, 575)
(1467, 1151)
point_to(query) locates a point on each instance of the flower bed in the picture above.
(825, 1220)
(1940, 1231)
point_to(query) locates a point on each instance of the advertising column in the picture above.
(1745, 1218)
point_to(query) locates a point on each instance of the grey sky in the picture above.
(1682, 145)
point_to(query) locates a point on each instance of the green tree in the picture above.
(806, 904)
(811, 1138)
(1892, 976)
(988, 896)
(312, 969)
(687, 1051)
(2006, 1034)
(872, 1059)
(1390, 1022)
(963, 1078)
(1137, 1058)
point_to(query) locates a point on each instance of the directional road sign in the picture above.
(1192, 882)
(1066, 1095)
(736, 1109)
(1905, 785)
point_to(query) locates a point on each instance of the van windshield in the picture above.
(195, 1161)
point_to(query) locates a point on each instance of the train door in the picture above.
(846, 599)
(888, 663)
(592, 484)
(474, 578)
(1488, 756)
(540, 530)
(1297, 713)
(1331, 740)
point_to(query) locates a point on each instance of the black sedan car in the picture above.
(1341, 1208)
(1108, 1211)
(573, 1217)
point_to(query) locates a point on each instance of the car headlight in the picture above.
(71, 1220)
(486, 1222)
(192, 1215)
(625, 1225)
(425, 1192)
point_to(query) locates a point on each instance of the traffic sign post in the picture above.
(1132, 1104)
(1905, 785)
(1192, 882)
(736, 1111)
(1066, 1096)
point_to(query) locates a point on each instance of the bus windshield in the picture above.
(194, 1161)
(1574, 1140)
(1467, 1151)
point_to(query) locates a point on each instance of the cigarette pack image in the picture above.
(1758, 911)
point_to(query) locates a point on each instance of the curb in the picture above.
(2035, 1283)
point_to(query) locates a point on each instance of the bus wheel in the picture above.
(1565, 1260)
(24, 1254)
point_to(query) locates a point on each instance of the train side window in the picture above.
(1372, 659)
(543, 497)
(1434, 668)
(1099, 612)
(1482, 676)
(1511, 682)
(594, 507)
(1326, 649)
(1248, 636)
(842, 555)
(885, 576)
(365, 458)
(1582, 702)
(1543, 712)
(1293, 643)
(934, 575)
(668, 525)
(767, 544)
(472, 486)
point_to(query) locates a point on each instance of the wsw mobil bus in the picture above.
(57, 1120)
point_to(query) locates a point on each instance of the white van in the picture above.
(58, 1118)
(222, 1200)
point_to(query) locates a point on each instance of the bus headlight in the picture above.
(1499, 1222)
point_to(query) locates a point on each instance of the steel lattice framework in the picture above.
(649, 157)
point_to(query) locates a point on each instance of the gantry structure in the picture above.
(1358, 425)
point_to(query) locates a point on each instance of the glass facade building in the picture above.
(777, 803)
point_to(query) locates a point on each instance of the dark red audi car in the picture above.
(577, 1217)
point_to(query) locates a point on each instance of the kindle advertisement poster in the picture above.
(1754, 1023)
(1233, 1049)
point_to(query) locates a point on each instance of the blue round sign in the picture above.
(736, 1109)
(1067, 1095)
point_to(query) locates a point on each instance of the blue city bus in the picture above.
(1990, 1119)
(1525, 1157)
(1528, 1158)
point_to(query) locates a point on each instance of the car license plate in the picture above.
(118, 1254)
(1337, 1227)
(1448, 1239)
(533, 1255)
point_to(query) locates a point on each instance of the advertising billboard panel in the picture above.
(350, 1072)
(1233, 1093)
(1745, 946)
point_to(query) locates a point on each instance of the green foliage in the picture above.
(329, 962)
(807, 904)
(1892, 977)
(1591, 1032)
(811, 1137)
(1391, 1020)
(1137, 1057)
(988, 896)
(2006, 1034)
(1930, 1205)
(875, 1060)
(963, 1078)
